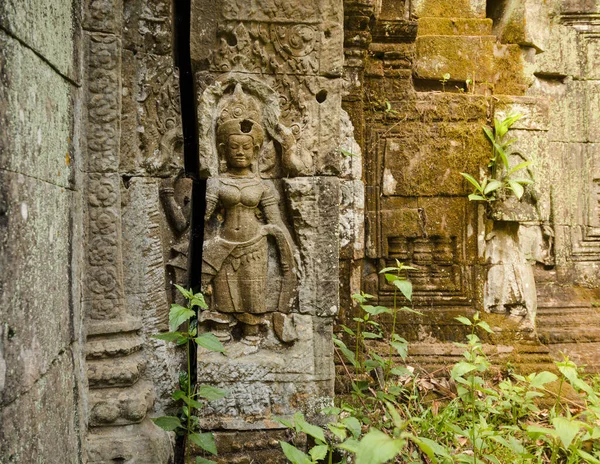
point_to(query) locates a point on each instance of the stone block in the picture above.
(427, 158)
(147, 241)
(36, 116)
(460, 56)
(446, 9)
(42, 425)
(535, 111)
(591, 46)
(526, 23)
(352, 209)
(38, 315)
(569, 121)
(592, 103)
(314, 206)
(561, 55)
(454, 26)
(50, 27)
(143, 442)
(270, 381)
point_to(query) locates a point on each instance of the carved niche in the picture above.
(250, 253)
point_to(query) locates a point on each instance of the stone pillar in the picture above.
(269, 75)
(118, 396)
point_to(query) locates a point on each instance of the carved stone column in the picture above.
(118, 399)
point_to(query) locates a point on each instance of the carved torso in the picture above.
(241, 198)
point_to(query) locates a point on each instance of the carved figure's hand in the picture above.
(166, 187)
(287, 137)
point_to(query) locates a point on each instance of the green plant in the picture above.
(479, 415)
(444, 80)
(183, 325)
(501, 175)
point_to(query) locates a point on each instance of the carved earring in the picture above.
(222, 165)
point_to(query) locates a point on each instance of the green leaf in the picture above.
(178, 315)
(492, 186)
(485, 326)
(502, 154)
(535, 429)
(430, 447)
(461, 368)
(464, 320)
(318, 452)
(350, 444)
(294, 454)
(206, 441)
(371, 335)
(542, 378)
(521, 181)
(396, 419)
(338, 431)
(198, 300)
(488, 133)
(566, 429)
(347, 153)
(348, 330)
(200, 460)
(287, 423)
(520, 166)
(588, 457)
(168, 423)
(211, 393)
(349, 355)
(472, 180)
(512, 444)
(516, 188)
(353, 425)
(186, 293)
(170, 336)
(474, 197)
(210, 342)
(401, 348)
(309, 429)
(510, 120)
(376, 448)
(405, 287)
(375, 310)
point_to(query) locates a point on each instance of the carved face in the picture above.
(240, 151)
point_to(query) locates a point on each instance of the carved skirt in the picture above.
(240, 284)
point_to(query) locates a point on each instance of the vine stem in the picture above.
(389, 363)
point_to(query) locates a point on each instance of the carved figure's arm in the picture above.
(173, 211)
(272, 212)
(212, 197)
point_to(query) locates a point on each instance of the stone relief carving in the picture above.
(518, 238)
(176, 196)
(236, 261)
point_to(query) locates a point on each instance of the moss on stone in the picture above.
(460, 56)
(445, 8)
(509, 76)
(454, 26)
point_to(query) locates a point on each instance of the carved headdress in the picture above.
(239, 114)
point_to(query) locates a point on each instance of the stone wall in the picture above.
(424, 77)
(42, 399)
(362, 117)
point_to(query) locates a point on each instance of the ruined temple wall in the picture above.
(418, 130)
(42, 399)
